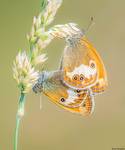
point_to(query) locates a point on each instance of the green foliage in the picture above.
(43, 5)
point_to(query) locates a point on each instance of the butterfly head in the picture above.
(73, 40)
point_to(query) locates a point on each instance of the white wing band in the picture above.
(64, 31)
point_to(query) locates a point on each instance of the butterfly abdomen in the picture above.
(38, 86)
(45, 81)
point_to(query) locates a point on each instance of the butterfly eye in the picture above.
(92, 65)
(82, 77)
(62, 100)
(75, 77)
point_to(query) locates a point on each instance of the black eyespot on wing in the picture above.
(82, 77)
(92, 65)
(62, 99)
(75, 77)
(78, 91)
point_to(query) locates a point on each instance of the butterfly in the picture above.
(81, 76)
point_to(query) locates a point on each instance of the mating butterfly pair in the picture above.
(80, 77)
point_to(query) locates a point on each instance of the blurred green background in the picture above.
(53, 128)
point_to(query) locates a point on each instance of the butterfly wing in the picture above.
(82, 65)
(88, 105)
(102, 82)
(99, 87)
(74, 101)
(85, 109)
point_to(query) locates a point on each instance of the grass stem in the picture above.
(19, 116)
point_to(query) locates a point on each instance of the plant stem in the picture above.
(19, 116)
(16, 132)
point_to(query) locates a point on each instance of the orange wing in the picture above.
(82, 65)
(72, 100)
(102, 82)
(85, 109)
(88, 106)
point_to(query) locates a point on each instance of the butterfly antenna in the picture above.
(90, 24)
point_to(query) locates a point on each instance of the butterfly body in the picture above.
(80, 77)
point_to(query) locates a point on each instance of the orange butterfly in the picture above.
(80, 77)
